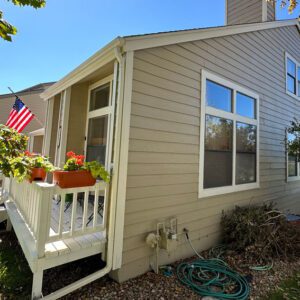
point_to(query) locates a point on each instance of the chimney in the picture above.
(249, 11)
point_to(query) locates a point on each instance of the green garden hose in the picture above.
(213, 278)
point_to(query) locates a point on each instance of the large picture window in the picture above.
(292, 76)
(229, 137)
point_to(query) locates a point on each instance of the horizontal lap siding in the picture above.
(244, 11)
(271, 12)
(163, 168)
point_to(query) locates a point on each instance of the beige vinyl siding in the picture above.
(37, 144)
(271, 15)
(33, 101)
(77, 118)
(244, 11)
(163, 168)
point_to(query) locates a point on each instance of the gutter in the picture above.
(113, 201)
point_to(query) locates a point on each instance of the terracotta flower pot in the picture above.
(37, 174)
(71, 179)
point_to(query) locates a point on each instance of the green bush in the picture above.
(12, 144)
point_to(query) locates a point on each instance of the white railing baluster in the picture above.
(29, 206)
(85, 209)
(74, 213)
(104, 214)
(61, 214)
(96, 203)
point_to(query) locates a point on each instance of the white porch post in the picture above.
(61, 142)
(121, 155)
(48, 127)
(37, 285)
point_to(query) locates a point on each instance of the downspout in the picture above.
(110, 239)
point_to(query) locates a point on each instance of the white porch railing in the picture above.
(51, 218)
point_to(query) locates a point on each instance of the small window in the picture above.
(100, 97)
(229, 131)
(292, 161)
(218, 96)
(292, 76)
(245, 106)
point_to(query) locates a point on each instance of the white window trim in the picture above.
(205, 75)
(291, 178)
(288, 56)
(104, 111)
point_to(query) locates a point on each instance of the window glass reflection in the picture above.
(218, 152)
(218, 96)
(245, 106)
(245, 153)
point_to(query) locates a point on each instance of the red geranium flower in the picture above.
(28, 153)
(70, 154)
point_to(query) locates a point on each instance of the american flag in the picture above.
(19, 116)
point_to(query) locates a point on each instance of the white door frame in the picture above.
(104, 111)
(63, 125)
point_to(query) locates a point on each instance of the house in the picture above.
(189, 122)
(31, 97)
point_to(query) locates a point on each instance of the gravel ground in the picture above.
(150, 285)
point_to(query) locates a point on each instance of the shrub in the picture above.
(12, 144)
(261, 231)
(21, 166)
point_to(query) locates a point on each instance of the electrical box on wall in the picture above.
(168, 235)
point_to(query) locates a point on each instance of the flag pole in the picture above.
(36, 118)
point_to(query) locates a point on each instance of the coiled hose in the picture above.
(213, 278)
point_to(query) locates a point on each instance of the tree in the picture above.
(292, 4)
(7, 29)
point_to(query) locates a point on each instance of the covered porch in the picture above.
(85, 114)
(55, 226)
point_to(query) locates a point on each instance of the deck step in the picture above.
(3, 214)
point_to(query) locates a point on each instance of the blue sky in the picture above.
(54, 40)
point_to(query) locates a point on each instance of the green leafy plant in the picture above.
(76, 162)
(12, 145)
(293, 139)
(97, 170)
(21, 166)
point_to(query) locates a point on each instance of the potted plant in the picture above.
(30, 166)
(38, 166)
(77, 173)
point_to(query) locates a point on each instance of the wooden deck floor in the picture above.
(68, 213)
(73, 244)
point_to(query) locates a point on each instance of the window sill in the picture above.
(293, 178)
(293, 95)
(226, 190)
